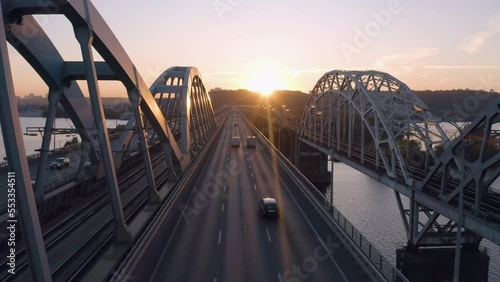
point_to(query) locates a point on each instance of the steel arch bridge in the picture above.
(176, 106)
(369, 120)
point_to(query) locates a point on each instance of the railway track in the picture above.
(65, 227)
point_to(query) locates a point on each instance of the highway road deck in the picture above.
(222, 237)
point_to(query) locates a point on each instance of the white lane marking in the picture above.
(279, 277)
(251, 174)
(215, 279)
(255, 187)
(222, 207)
(224, 188)
(226, 166)
(225, 176)
(249, 166)
(220, 236)
(268, 235)
(309, 222)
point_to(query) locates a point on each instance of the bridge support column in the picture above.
(314, 165)
(438, 264)
(25, 211)
(153, 196)
(85, 36)
(54, 97)
(82, 170)
(172, 170)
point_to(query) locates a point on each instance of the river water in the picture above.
(31, 143)
(372, 208)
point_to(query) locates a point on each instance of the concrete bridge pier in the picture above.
(436, 264)
(314, 165)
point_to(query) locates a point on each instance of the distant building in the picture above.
(32, 99)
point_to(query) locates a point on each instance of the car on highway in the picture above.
(235, 124)
(251, 141)
(60, 163)
(235, 141)
(269, 207)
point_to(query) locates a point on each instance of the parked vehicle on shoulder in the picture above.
(60, 163)
(269, 207)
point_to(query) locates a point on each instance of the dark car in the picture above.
(60, 163)
(269, 207)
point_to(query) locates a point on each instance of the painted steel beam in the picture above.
(76, 71)
(20, 188)
(43, 56)
(487, 230)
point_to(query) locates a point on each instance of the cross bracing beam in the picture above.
(117, 65)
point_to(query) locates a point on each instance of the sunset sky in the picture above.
(289, 44)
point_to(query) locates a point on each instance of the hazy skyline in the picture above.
(288, 44)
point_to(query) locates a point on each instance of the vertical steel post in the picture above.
(331, 192)
(153, 197)
(14, 147)
(54, 97)
(85, 36)
(458, 245)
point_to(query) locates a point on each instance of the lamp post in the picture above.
(458, 245)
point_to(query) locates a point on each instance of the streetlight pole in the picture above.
(458, 245)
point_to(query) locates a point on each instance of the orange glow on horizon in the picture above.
(265, 78)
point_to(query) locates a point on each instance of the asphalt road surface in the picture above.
(222, 237)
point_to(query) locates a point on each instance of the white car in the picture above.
(235, 141)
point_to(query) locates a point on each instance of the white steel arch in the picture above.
(369, 109)
(368, 119)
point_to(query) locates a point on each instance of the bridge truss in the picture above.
(368, 120)
(176, 107)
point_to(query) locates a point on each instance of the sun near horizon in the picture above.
(264, 78)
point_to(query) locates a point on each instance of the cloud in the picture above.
(428, 73)
(406, 61)
(473, 43)
(444, 80)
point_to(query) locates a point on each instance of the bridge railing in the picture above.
(489, 212)
(386, 269)
(389, 271)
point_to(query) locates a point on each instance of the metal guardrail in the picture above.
(35, 156)
(388, 271)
